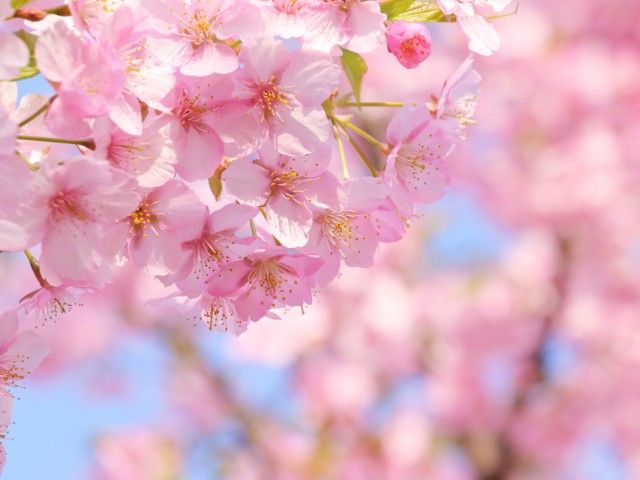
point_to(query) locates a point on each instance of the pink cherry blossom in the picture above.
(268, 278)
(20, 353)
(344, 227)
(199, 33)
(215, 244)
(148, 76)
(409, 42)
(459, 94)
(217, 313)
(48, 303)
(415, 167)
(149, 157)
(75, 203)
(198, 110)
(284, 186)
(154, 230)
(284, 91)
(90, 80)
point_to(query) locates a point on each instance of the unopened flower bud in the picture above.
(409, 42)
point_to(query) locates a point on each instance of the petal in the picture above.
(201, 154)
(231, 217)
(228, 279)
(483, 37)
(14, 55)
(12, 236)
(124, 111)
(298, 132)
(289, 221)
(365, 194)
(361, 247)
(407, 122)
(210, 58)
(266, 58)
(366, 24)
(248, 182)
(312, 76)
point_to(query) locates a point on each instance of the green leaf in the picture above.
(415, 11)
(355, 68)
(16, 4)
(31, 69)
(393, 8)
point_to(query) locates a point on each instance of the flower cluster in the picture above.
(155, 99)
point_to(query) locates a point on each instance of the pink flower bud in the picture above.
(409, 42)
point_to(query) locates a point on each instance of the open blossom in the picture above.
(48, 303)
(148, 77)
(149, 157)
(459, 94)
(218, 313)
(154, 230)
(284, 186)
(284, 90)
(107, 75)
(409, 42)
(357, 25)
(90, 80)
(199, 32)
(199, 108)
(268, 278)
(415, 168)
(214, 244)
(20, 353)
(74, 205)
(344, 228)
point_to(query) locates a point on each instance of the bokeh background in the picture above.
(500, 340)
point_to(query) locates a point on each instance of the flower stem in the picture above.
(357, 130)
(35, 267)
(84, 143)
(343, 156)
(38, 112)
(373, 170)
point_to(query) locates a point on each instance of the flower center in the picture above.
(199, 28)
(270, 96)
(268, 275)
(142, 218)
(62, 205)
(190, 111)
(10, 375)
(337, 228)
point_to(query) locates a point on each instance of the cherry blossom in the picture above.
(284, 92)
(267, 278)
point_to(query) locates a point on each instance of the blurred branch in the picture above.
(507, 461)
